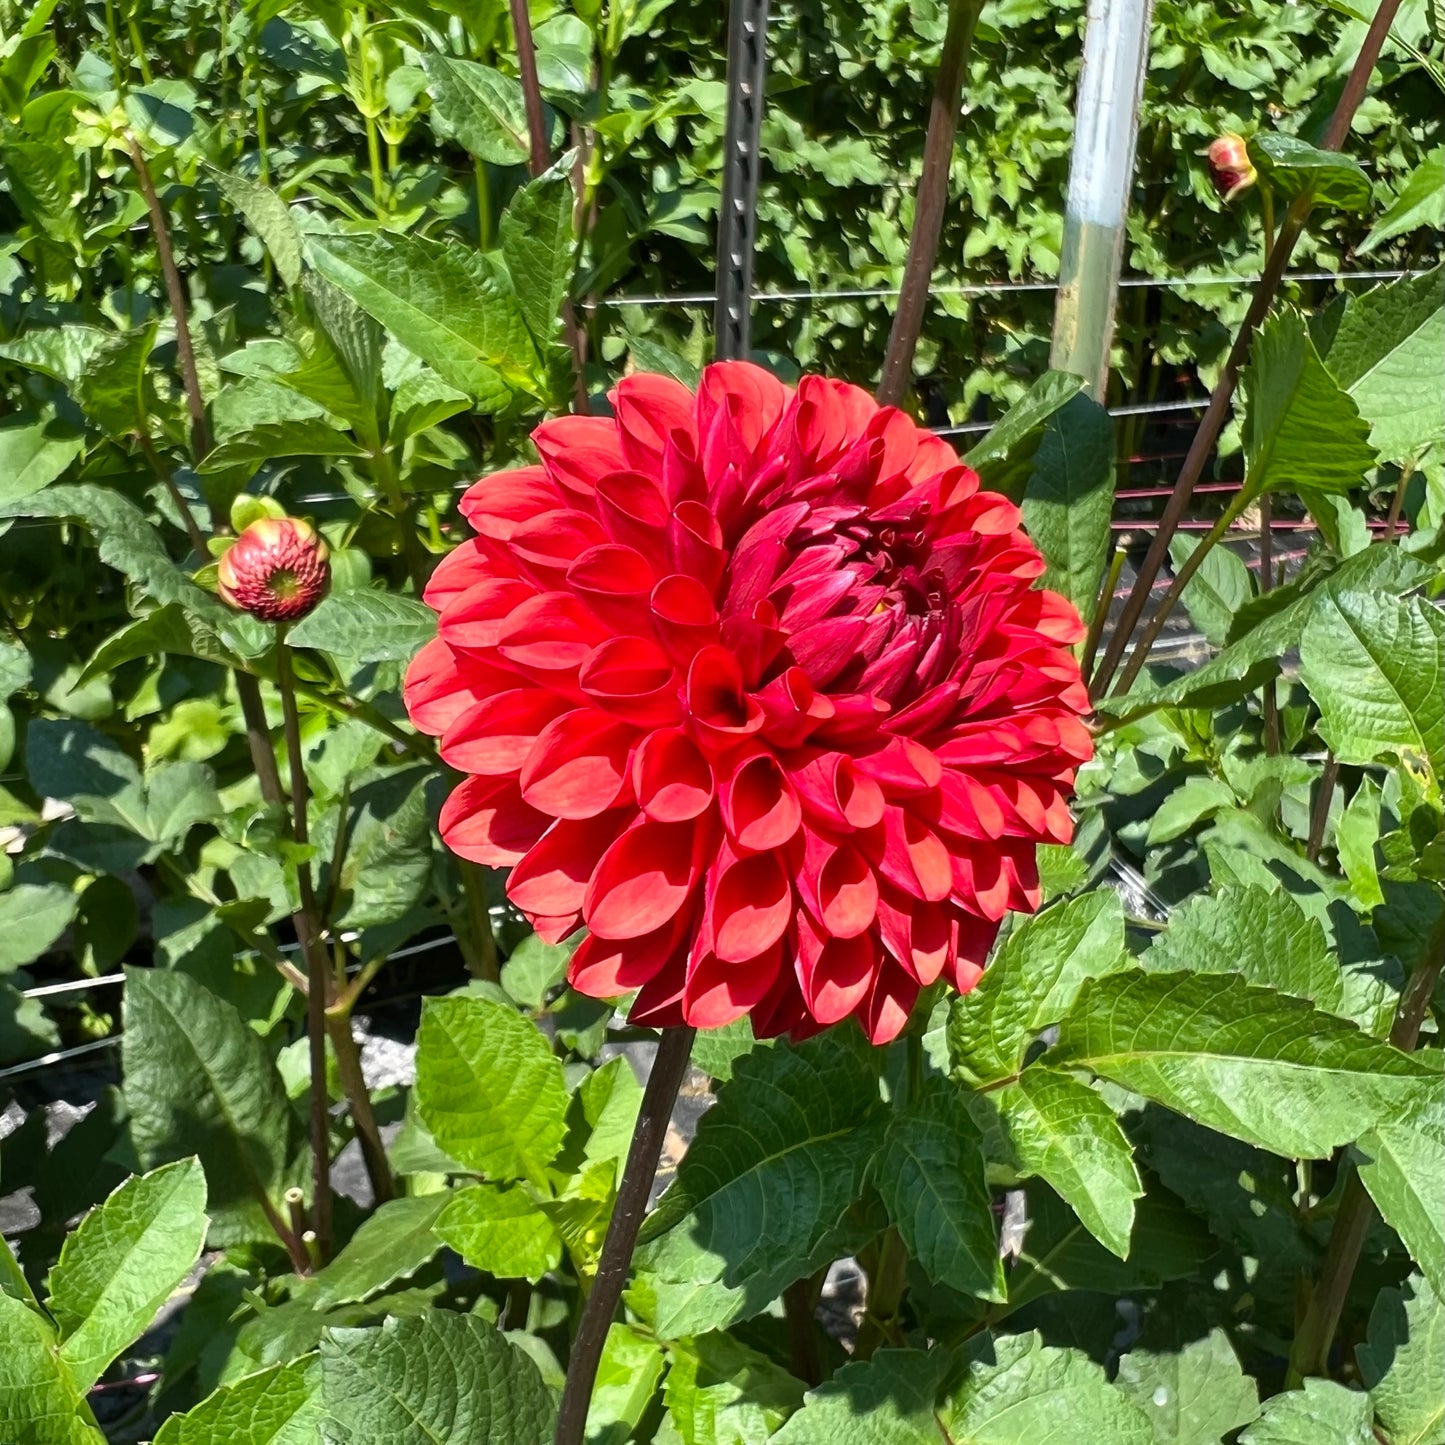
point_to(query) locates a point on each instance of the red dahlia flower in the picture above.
(1230, 168)
(755, 685)
(277, 570)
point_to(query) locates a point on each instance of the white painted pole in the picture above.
(1106, 127)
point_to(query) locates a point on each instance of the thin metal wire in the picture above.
(983, 288)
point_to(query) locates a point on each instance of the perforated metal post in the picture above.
(746, 77)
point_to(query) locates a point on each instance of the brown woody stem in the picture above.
(1310, 1352)
(1217, 412)
(313, 950)
(931, 201)
(668, 1068)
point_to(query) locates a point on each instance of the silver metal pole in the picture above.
(1106, 128)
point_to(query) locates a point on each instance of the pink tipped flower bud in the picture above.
(1230, 168)
(276, 570)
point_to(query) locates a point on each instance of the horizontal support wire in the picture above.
(980, 288)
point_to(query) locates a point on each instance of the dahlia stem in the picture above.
(358, 1099)
(538, 159)
(668, 1067)
(1217, 412)
(176, 296)
(931, 201)
(1309, 1354)
(318, 972)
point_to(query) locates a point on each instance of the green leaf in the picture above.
(1302, 430)
(1356, 834)
(1402, 1362)
(627, 1379)
(1260, 638)
(1292, 165)
(279, 1406)
(1012, 1388)
(1194, 1395)
(1404, 1170)
(39, 1402)
(1322, 1411)
(438, 1379)
(1386, 353)
(304, 437)
(533, 969)
(454, 307)
(1024, 420)
(719, 1392)
(1068, 501)
(1421, 202)
(1194, 800)
(489, 1088)
(198, 1080)
(762, 1189)
(539, 246)
(114, 390)
(501, 1231)
(1064, 1132)
(1217, 591)
(367, 625)
(601, 1117)
(267, 215)
(32, 918)
(33, 456)
(1260, 933)
(1032, 982)
(930, 1173)
(121, 1263)
(393, 1243)
(1376, 667)
(1249, 1062)
(482, 109)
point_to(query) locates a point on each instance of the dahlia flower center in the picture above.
(284, 583)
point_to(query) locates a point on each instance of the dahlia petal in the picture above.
(552, 879)
(460, 569)
(914, 858)
(555, 930)
(683, 616)
(672, 779)
(615, 583)
(751, 907)
(633, 678)
(889, 1003)
(486, 821)
(968, 808)
(929, 940)
(902, 767)
(793, 708)
(719, 992)
(474, 619)
(435, 692)
(550, 633)
(649, 409)
(824, 649)
(754, 398)
(835, 973)
(606, 968)
(495, 737)
(847, 893)
(643, 880)
(576, 450)
(497, 504)
(548, 545)
(980, 883)
(715, 697)
(658, 1004)
(975, 938)
(695, 544)
(578, 767)
(760, 810)
(631, 507)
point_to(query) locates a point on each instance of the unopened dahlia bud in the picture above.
(1230, 168)
(277, 570)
